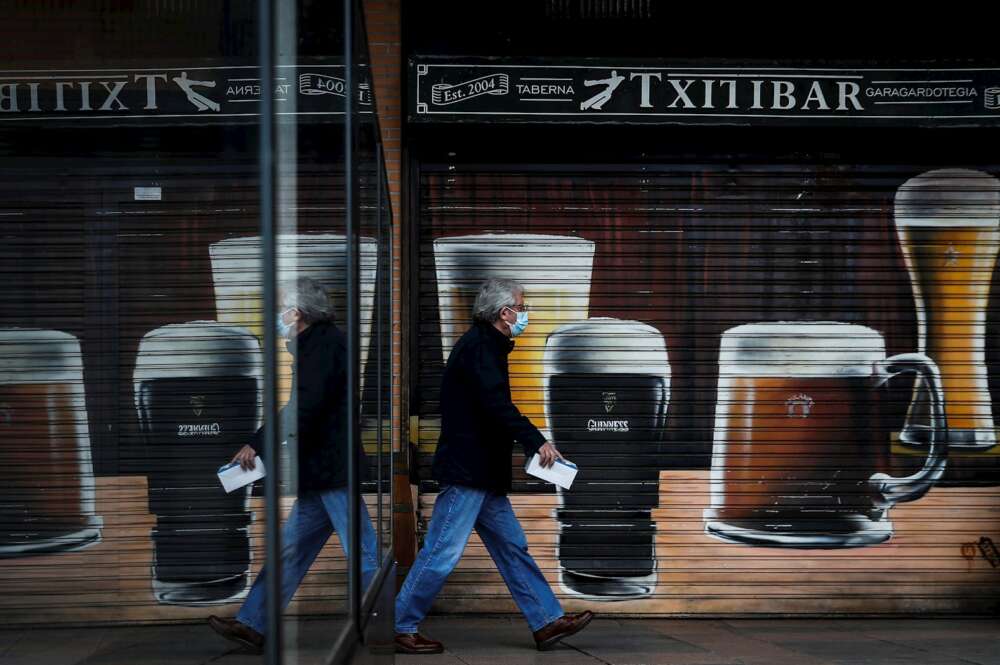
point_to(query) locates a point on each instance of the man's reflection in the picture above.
(315, 419)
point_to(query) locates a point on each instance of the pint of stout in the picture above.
(555, 272)
(46, 476)
(607, 387)
(197, 392)
(948, 223)
(236, 272)
(800, 438)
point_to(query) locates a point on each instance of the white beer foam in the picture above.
(949, 198)
(607, 346)
(37, 355)
(800, 348)
(197, 349)
(533, 260)
(236, 266)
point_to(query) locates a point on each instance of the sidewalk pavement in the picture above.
(505, 640)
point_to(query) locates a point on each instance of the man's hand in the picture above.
(245, 458)
(547, 455)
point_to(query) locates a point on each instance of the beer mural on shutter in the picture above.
(800, 448)
(756, 368)
(607, 388)
(777, 380)
(46, 477)
(948, 221)
(197, 393)
(163, 395)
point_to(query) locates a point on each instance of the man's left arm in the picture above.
(495, 395)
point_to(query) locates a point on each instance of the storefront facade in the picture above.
(744, 275)
(763, 318)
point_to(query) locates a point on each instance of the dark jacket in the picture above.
(315, 418)
(479, 422)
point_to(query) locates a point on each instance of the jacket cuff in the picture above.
(532, 443)
(257, 442)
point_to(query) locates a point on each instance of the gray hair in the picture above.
(309, 297)
(493, 296)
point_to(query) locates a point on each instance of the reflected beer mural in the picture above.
(752, 367)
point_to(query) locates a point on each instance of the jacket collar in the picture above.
(498, 339)
(305, 339)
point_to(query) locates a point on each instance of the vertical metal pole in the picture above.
(379, 311)
(267, 178)
(353, 320)
(390, 274)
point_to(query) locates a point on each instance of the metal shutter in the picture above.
(121, 393)
(622, 360)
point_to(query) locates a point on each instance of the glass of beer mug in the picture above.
(801, 443)
(555, 272)
(47, 499)
(197, 392)
(948, 223)
(607, 388)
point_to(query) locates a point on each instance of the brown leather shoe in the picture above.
(549, 635)
(416, 643)
(234, 631)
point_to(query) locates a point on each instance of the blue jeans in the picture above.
(457, 510)
(313, 519)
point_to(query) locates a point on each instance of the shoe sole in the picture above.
(552, 641)
(414, 652)
(249, 646)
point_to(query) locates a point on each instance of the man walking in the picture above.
(315, 416)
(479, 425)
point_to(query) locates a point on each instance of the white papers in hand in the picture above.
(561, 473)
(233, 477)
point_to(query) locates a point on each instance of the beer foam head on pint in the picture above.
(197, 349)
(564, 262)
(36, 355)
(606, 346)
(322, 256)
(800, 348)
(949, 197)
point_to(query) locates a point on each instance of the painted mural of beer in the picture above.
(238, 279)
(801, 442)
(948, 222)
(46, 476)
(607, 388)
(555, 272)
(197, 392)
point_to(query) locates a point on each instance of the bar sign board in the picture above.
(662, 92)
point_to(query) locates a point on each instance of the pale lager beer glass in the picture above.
(555, 272)
(948, 222)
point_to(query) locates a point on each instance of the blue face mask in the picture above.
(520, 324)
(282, 327)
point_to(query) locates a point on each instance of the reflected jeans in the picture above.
(313, 519)
(456, 512)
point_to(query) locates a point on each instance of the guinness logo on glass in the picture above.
(609, 401)
(799, 406)
(197, 404)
